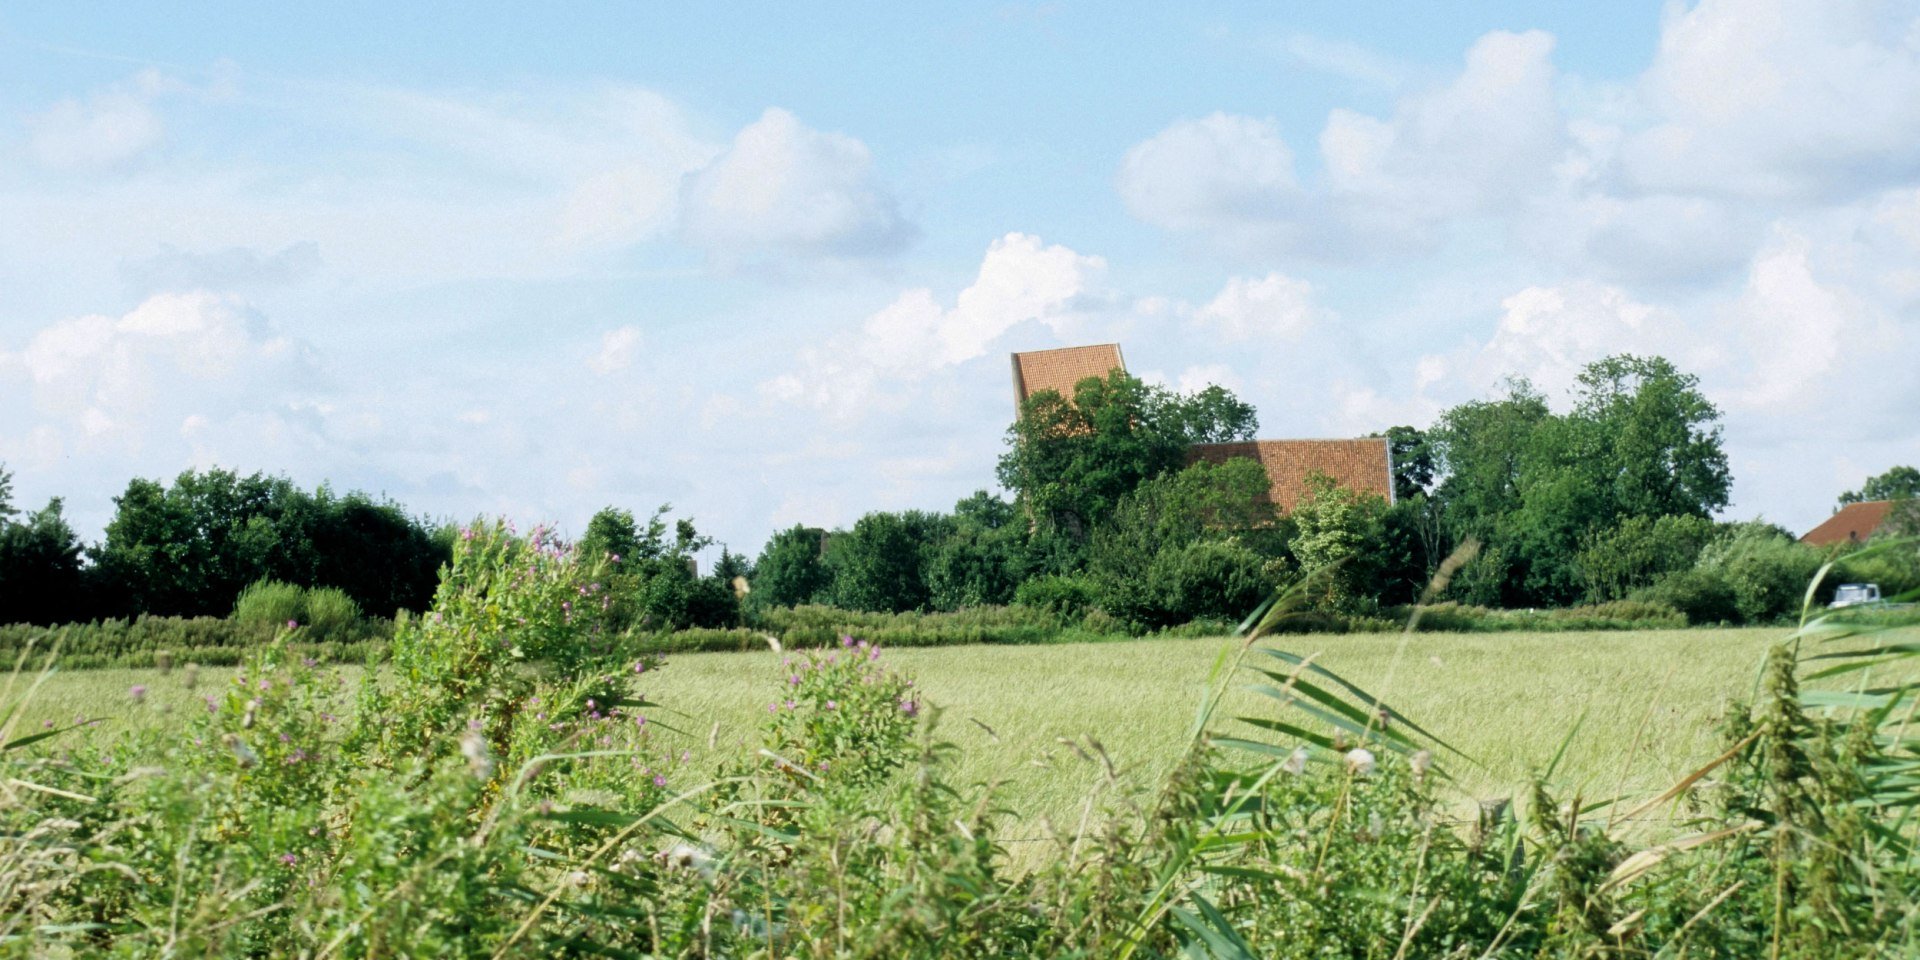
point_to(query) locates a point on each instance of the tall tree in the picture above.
(1898, 483)
(790, 570)
(1412, 461)
(41, 580)
(1072, 460)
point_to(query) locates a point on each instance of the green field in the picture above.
(1646, 703)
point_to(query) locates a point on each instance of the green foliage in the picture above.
(41, 577)
(1765, 567)
(790, 570)
(1898, 483)
(211, 641)
(1703, 596)
(271, 603)
(1640, 550)
(190, 548)
(1062, 596)
(1336, 528)
(649, 574)
(881, 564)
(1413, 466)
(1536, 488)
(1073, 460)
(1144, 559)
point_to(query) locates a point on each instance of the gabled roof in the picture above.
(1363, 465)
(1854, 523)
(1059, 370)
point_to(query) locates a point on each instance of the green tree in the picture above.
(7, 511)
(1639, 552)
(1412, 455)
(790, 570)
(1072, 460)
(1139, 559)
(1336, 527)
(1898, 483)
(981, 559)
(1658, 438)
(881, 563)
(41, 580)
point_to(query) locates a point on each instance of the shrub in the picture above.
(1702, 596)
(272, 603)
(1209, 580)
(1765, 567)
(330, 612)
(1063, 596)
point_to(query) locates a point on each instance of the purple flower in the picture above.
(832, 705)
(794, 680)
(659, 781)
(789, 704)
(266, 685)
(639, 667)
(773, 708)
(846, 640)
(910, 708)
(138, 692)
(289, 859)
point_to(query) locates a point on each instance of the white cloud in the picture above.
(783, 186)
(1220, 172)
(1021, 279)
(1467, 148)
(1343, 59)
(109, 127)
(618, 348)
(1273, 307)
(1781, 98)
(177, 361)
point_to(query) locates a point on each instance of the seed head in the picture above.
(1360, 761)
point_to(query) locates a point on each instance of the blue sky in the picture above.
(766, 262)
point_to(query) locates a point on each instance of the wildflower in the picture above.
(639, 666)
(659, 780)
(1422, 761)
(1296, 761)
(846, 640)
(794, 680)
(266, 685)
(910, 707)
(1360, 761)
(790, 704)
(289, 859)
(831, 705)
(137, 692)
(773, 708)
(473, 746)
(293, 624)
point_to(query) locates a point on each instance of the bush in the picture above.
(330, 612)
(271, 603)
(210, 641)
(1766, 568)
(1702, 596)
(1063, 596)
(1209, 580)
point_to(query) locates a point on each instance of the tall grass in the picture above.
(504, 790)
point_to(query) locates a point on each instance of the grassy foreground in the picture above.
(1646, 703)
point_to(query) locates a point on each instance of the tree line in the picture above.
(1612, 500)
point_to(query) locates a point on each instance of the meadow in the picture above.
(1636, 711)
(516, 780)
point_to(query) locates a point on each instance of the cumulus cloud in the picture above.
(1220, 172)
(1781, 98)
(783, 186)
(1465, 148)
(1273, 307)
(174, 363)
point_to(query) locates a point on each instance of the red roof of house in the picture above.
(1363, 465)
(1854, 523)
(1058, 370)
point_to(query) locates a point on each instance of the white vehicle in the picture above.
(1854, 595)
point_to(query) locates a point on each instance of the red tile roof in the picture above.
(1362, 465)
(1059, 370)
(1854, 523)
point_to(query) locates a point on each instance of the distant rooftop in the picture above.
(1856, 522)
(1364, 465)
(1058, 370)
